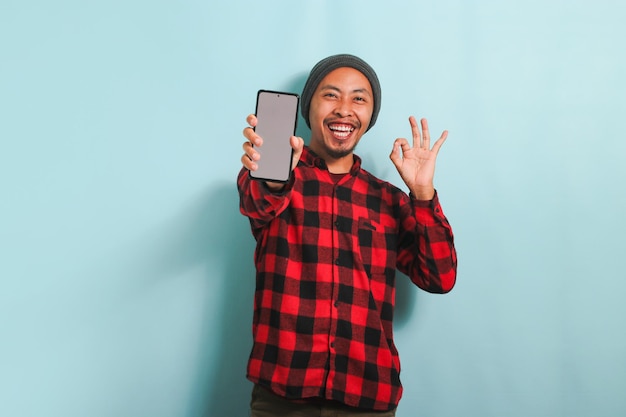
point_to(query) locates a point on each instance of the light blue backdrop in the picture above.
(126, 270)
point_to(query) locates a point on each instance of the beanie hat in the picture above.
(331, 63)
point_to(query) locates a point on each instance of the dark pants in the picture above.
(266, 404)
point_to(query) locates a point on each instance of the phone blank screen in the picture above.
(276, 122)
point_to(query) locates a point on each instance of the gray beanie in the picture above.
(326, 65)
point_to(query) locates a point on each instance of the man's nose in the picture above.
(344, 108)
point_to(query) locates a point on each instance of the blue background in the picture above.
(126, 272)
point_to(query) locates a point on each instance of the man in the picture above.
(328, 244)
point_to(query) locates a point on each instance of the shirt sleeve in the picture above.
(258, 202)
(426, 251)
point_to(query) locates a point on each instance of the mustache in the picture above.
(354, 122)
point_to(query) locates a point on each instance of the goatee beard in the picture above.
(339, 153)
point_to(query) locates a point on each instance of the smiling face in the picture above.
(340, 113)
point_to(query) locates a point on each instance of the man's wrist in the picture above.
(423, 193)
(275, 187)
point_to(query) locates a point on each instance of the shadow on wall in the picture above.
(220, 387)
(226, 391)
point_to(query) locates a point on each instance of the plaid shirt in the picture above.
(326, 258)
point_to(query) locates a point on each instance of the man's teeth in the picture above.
(341, 128)
(341, 131)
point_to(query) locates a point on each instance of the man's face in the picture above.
(340, 112)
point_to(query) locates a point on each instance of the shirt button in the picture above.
(337, 261)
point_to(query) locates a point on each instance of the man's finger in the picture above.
(440, 142)
(425, 134)
(251, 119)
(415, 130)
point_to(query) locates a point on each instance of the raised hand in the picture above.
(416, 164)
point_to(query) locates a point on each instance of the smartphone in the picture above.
(277, 118)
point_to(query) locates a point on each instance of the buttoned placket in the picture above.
(334, 301)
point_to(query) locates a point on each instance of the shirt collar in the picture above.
(311, 159)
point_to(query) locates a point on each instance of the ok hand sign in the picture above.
(416, 164)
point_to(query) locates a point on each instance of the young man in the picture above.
(328, 245)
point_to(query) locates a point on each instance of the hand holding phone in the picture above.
(276, 121)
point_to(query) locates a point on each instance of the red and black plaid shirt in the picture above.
(326, 258)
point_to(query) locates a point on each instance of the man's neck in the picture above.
(340, 165)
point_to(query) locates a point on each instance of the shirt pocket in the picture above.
(377, 247)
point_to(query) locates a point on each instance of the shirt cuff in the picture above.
(287, 187)
(428, 212)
